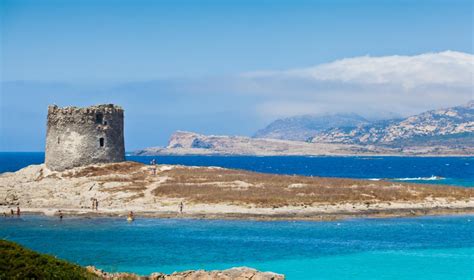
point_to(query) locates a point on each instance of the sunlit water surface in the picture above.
(403, 248)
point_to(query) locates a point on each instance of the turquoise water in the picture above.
(406, 248)
(403, 248)
(458, 171)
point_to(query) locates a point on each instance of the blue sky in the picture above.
(180, 64)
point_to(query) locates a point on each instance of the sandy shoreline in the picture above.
(219, 193)
(256, 216)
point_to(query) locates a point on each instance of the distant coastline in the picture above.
(186, 143)
(199, 153)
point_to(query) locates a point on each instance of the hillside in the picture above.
(303, 128)
(449, 127)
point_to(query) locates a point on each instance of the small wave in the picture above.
(432, 178)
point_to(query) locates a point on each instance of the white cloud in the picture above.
(368, 85)
(446, 68)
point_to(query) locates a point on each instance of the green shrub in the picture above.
(17, 262)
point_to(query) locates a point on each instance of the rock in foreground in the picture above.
(236, 273)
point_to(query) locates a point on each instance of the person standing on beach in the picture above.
(181, 205)
(60, 215)
(153, 168)
(12, 212)
(18, 211)
(96, 205)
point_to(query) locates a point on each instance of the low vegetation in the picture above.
(17, 262)
(207, 185)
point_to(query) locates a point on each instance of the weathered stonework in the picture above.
(82, 136)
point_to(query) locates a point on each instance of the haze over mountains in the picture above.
(304, 128)
(451, 126)
(447, 131)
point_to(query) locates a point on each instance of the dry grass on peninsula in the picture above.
(221, 193)
(216, 185)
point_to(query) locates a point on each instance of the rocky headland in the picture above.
(212, 192)
(190, 143)
(443, 132)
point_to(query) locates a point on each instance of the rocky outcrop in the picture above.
(236, 273)
(183, 142)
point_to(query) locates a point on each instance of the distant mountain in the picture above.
(304, 128)
(189, 143)
(447, 131)
(450, 126)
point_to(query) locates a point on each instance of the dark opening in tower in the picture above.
(101, 141)
(99, 117)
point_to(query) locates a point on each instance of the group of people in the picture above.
(12, 212)
(18, 213)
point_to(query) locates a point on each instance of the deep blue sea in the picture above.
(457, 171)
(404, 248)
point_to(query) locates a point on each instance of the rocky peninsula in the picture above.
(212, 192)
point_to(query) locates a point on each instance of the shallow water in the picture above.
(403, 248)
(457, 171)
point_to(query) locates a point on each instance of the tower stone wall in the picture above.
(81, 136)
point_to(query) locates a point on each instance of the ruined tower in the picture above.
(81, 136)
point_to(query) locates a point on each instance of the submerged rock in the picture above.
(236, 273)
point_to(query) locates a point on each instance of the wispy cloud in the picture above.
(370, 85)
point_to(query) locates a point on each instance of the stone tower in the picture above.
(81, 136)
